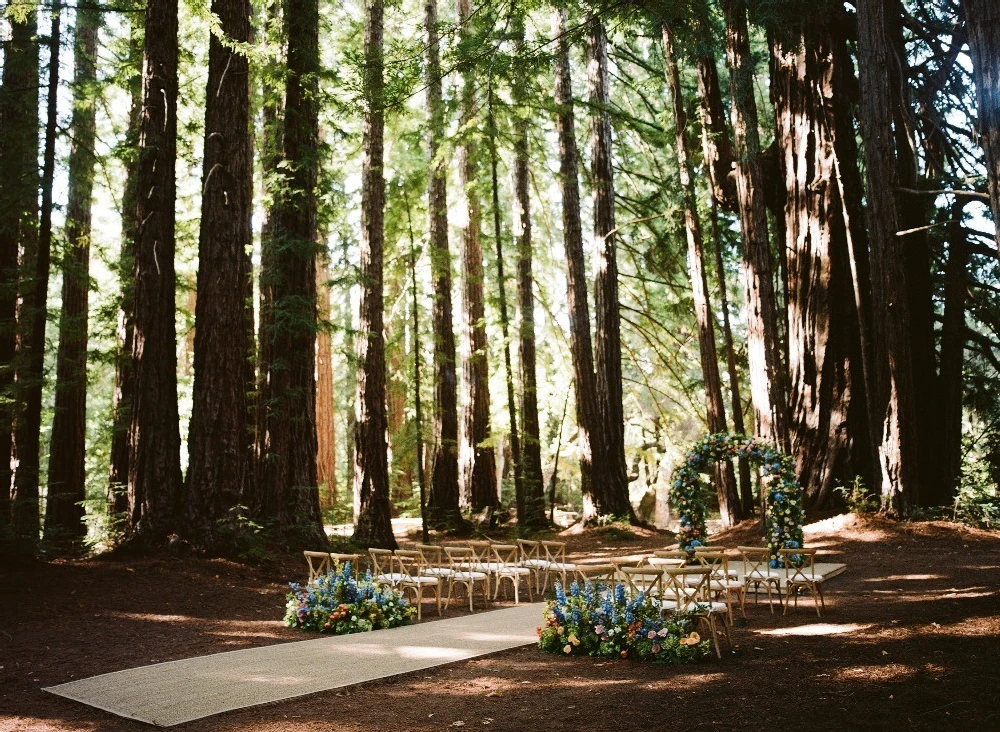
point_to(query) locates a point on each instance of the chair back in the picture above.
(756, 560)
(647, 580)
(319, 563)
(339, 560)
(597, 573)
(717, 562)
(459, 555)
(555, 551)
(408, 563)
(432, 554)
(481, 551)
(505, 555)
(620, 562)
(800, 564)
(381, 561)
(531, 552)
(709, 548)
(668, 558)
(678, 586)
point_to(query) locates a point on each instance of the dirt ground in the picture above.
(910, 639)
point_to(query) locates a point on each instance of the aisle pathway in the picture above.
(170, 693)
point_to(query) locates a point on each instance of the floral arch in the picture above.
(783, 501)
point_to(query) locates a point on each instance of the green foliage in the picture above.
(339, 604)
(857, 497)
(238, 536)
(602, 621)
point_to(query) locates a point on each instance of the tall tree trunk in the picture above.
(729, 501)
(480, 468)
(953, 353)
(443, 494)
(326, 423)
(591, 445)
(716, 147)
(895, 402)
(31, 366)
(982, 19)
(829, 433)
(121, 407)
(67, 478)
(18, 220)
(219, 442)
(767, 376)
(610, 496)
(531, 452)
(154, 481)
(286, 492)
(371, 469)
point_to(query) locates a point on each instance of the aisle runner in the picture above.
(170, 693)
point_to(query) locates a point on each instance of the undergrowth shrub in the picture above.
(338, 603)
(600, 621)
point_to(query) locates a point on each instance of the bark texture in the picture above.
(326, 423)
(982, 20)
(219, 443)
(371, 468)
(716, 146)
(67, 478)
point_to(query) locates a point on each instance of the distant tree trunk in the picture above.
(219, 441)
(480, 472)
(286, 492)
(514, 441)
(154, 480)
(326, 423)
(953, 353)
(828, 422)
(31, 358)
(895, 404)
(443, 494)
(767, 375)
(716, 147)
(591, 444)
(729, 500)
(982, 20)
(531, 452)
(610, 496)
(18, 220)
(67, 478)
(371, 469)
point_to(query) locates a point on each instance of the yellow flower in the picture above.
(694, 637)
(567, 648)
(573, 639)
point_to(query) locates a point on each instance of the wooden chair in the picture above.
(409, 564)
(596, 573)
(339, 560)
(555, 556)
(629, 561)
(757, 571)
(721, 582)
(642, 580)
(434, 563)
(505, 565)
(800, 574)
(668, 558)
(319, 563)
(696, 599)
(531, 557)
(382, 568)
(460, 558)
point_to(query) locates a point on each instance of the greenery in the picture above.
(601, 621)
(338, 603)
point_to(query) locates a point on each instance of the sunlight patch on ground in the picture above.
(817, 629)
(894, 577)
(885, 672)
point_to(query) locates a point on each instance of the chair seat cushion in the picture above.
(534, 563)
(436, 571)
(421, 581)
(467, 576)
(510, 570)
(564, 567)
(392, 577)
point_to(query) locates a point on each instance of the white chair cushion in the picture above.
(534, 563)
(466, 576)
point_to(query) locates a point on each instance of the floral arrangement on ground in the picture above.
(338, 603)
(597, 620)
(783, 499)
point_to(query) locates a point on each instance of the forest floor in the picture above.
(910, 639)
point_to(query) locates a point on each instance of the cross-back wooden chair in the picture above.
(721, 581)
(409, 563)
(695, 598)
(531, 557)
(606, 574)
(338, 560)
(319, 563)
(506, 566)
(626, 561)
(757, 571)
(383, 567)
(460, 559)
(668, 558)
(645, 580)
(435, 564)
(800, 574)
(555, 556)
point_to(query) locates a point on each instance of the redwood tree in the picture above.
(219, 444)
(67, 478)
(371, 469)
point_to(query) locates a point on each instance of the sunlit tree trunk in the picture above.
(219, 441)
(716, 147)
(67, 478)
(326, 423)
(371, 469)
(729, 500)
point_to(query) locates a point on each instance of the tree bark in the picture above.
(953, 354)
(716, 147)
(326, 423)
(479, 457)
(767, 375)
(67, 478)
(286, 492)
(729, 501)
(531, 451)
(610, 496)
(18, 221)
(895, 401)
(443, 494)
(219, 441)
(590, 443)
(982, 20)
(154, 480)
(371, 469)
